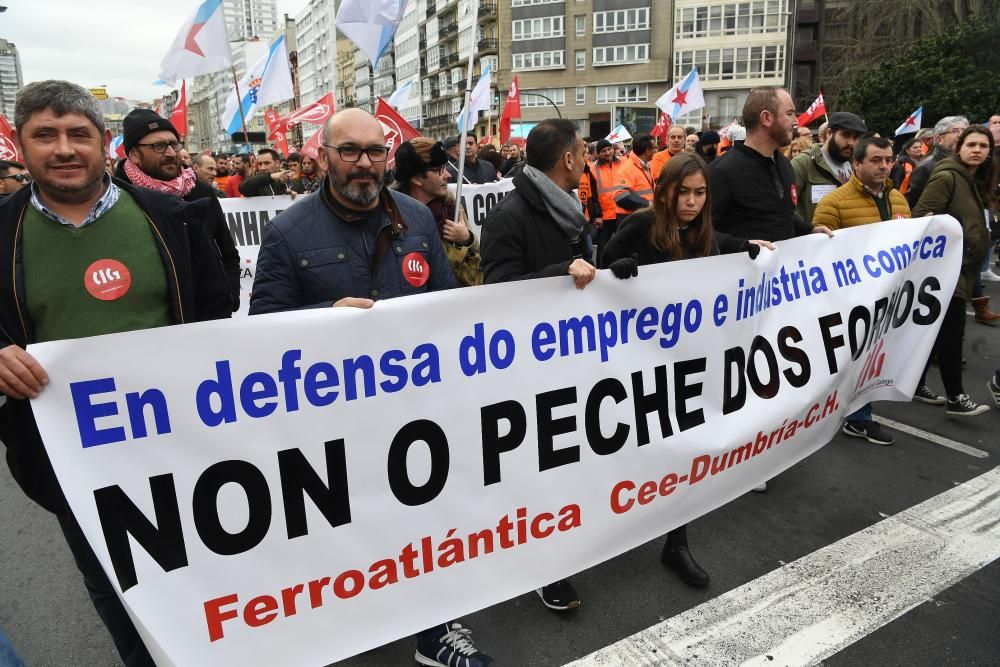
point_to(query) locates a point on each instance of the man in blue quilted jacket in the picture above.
(348, 244)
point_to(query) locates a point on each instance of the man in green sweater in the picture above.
(82, 254)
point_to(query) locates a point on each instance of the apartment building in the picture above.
(596, 62)
(736, 46)
(10, 77)
(316, 34)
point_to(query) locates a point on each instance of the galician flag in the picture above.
(400, 96)
(269, 81)
(479, 100)
(683, 98)
(912, 123)
(201, 46)
(619, 134)
(370, 24)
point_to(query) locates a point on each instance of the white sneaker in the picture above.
(988, 276)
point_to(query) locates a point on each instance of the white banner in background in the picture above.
(478, 200)
(247, 217)
(298, 488)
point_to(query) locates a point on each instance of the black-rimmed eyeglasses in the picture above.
(353, 153)
(162, 146)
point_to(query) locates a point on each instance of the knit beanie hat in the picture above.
(140, 122)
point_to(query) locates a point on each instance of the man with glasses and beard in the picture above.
(345, 246)
(153, 151)
(826, 166)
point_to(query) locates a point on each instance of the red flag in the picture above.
(316, 113)
(662, 125)
(397, 130)
(8, 151)
(511, 110)
(279, 137)
(311, 147)
(179, 118)
(815, 110)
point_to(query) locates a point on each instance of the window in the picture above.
(581, 95)
(617, 55)
(581, 25)
(625, 93)
(528, 3)
(537, 60)
(581, 58)
(755, 62)
(549, 26)
(557, 95)
(733, 18)
(621, 20)
(727, 107)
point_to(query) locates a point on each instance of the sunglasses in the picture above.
(20, 178)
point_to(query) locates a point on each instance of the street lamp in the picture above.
(547, 99)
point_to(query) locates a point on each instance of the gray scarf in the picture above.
(562, 206)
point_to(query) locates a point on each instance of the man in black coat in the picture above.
(152, 147)
(753, 185)
(50, 227)
(536, 231)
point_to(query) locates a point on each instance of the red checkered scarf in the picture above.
(179, 187)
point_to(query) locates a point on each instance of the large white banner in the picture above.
(297, 488)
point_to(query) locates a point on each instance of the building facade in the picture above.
(736, 46)
(246, 19)
(597, 62)
(317, 49)
(10, 77)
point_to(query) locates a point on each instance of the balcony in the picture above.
(487, 44)
(451, 60)
(487, 9)
(449, 29)
(431, 9)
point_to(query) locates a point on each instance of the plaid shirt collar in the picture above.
(107, 200)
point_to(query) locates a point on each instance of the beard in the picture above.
(165, 169)
(781, 135)
(362, 195)
(836, 150)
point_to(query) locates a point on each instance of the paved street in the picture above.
(921, 588)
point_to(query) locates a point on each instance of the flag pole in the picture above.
(239, 105)
(463, 131)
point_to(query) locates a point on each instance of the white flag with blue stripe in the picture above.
(269, 81)
(370, 24)
(683, 98)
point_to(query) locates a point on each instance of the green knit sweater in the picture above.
(104, 277)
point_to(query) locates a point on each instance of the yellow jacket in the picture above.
(851, 205)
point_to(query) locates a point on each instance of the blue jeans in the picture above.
(864, 414)
(8, 656)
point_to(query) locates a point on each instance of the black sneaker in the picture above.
(994, 390)
(924, 394)
(449, 644)
(963, 406)
(559, 596)
(869, 430)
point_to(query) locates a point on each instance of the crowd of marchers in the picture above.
(578, 205)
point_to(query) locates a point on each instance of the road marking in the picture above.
(816, 606)
(932, 437)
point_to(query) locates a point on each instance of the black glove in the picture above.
(626, 267)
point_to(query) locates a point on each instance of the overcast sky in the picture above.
(118, 43)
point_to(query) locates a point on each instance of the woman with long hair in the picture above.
(963, 186)
(678, 226)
